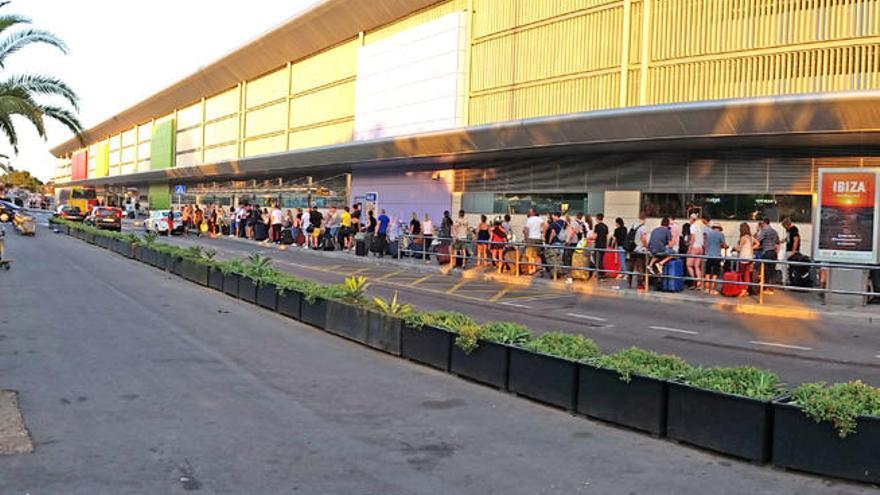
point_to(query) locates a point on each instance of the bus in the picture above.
(83, 197)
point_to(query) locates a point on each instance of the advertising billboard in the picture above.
(847, 215)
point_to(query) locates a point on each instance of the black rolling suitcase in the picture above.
(286, 237)
(261, 231)
(377, 245)
(361, 241)
(800, 275)
(224, 229)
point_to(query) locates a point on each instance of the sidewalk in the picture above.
(792, 304)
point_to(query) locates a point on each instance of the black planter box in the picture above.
(215, 279)
(267, 296)
(314, 313)
(124, 248)
(802, 444)
(195, 272)
(176, 266)
(383, 332)
(547, 379)
(163, 261)
(428, 345)
(639, 404)
(725, 423)
(347, 320)
(289, 304)
(230, 284)
(247, 289)
(489, 363)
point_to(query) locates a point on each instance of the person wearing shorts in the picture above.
(533, 233)
(696, 248)
(715, 242)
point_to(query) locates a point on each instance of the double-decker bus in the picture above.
(82, 197)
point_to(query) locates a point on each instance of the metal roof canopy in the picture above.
(804, 121)
(317, 28)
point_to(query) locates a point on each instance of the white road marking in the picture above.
(675, 330)
(516, 305)
(586, 317)
(784, 346)
(877, 356)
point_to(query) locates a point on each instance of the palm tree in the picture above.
(20, 94)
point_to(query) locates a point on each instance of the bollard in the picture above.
(761, 287)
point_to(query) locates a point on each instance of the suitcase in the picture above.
(610, 264)
(377, 245)
(393, 248)
(731, 290)
(261, 231)
(224, 229)
(286, 237)
(442, 254)
(800, 275)
(673, 268)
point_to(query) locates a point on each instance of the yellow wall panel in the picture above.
(561, 97)
(189, 116)
(266, 120)
(494, 16)
(321, 136)
(427, 15)
(333, 103)
(189, 140)
(221, 153)
(264, 146)
(222, 131)
(224, 104)
(325, 68)
(271, 87)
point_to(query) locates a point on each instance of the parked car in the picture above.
(71, 213)
(158, 222)
(8, 211)
(105, 217)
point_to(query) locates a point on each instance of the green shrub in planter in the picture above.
(840, 404)
(565, 345)
(727, 410)
(482, 352)
(635, 361)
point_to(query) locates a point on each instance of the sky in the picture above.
(122, 52)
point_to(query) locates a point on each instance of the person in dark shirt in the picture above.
(356, 213)
(618, 241)
(600, 230)
(660, 246)
(315, 218)
(793, 238)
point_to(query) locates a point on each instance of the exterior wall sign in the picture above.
(847, 215)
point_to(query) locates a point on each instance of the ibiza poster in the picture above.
(847, 215)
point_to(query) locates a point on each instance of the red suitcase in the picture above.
(610, 264)
(731, 290)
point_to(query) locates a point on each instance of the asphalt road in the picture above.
(133, 381)
(798, 344)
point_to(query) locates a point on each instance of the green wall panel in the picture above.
(160, 196)
(162, 146)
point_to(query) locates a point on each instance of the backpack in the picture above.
(630, 243)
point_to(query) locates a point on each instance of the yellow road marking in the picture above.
(388, 275)
(456, 287)
(417, 282)
(500, 294)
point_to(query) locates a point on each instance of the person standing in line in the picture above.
(715, 243)
(428, 233)
(345, 231)
(768, 239)
(332, 224)
(600, 231)
(675, 230)
(508, 228)
(356, 218)
(695, 248)
(316, 218)
(483, 242)
(746, 251)
(371, 222)
(198, 220)
(618, 241)
(499, 242)
(446, 227)
(186, 219)
(572, 235)
(460, 231)
(533, 233)
(307, 228)
(637, 244)
(792, 246)
(382, 232)
(276, 219)
(416, 241)
(170, 220)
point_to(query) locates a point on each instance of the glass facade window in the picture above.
(730, 206)
(519, 204)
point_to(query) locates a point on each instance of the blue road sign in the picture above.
(180, 189)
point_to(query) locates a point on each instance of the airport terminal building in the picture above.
(492, 106)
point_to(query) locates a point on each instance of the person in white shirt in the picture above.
(534, 235)
(428, 234)
(276, 221)
(695, 248)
